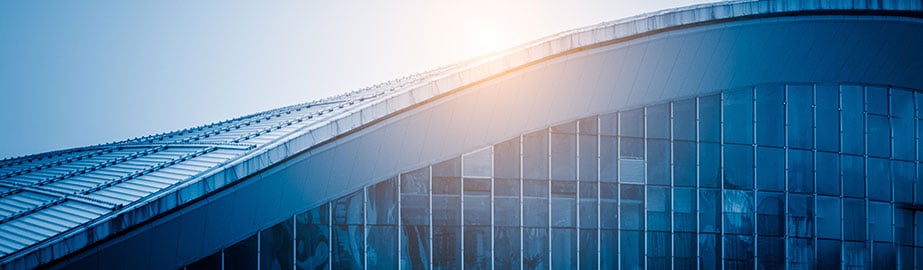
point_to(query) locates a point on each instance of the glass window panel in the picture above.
(382, 247)
(658, 162)
(855, 255)
(506, 212)
(348, 209)
(710, 118)
(658, 209)
(902, 179)
(903, 226)
(506, 247)
(506, 188)
(589, 192)
(828, 118)
(535, 211)
(588, 154)
(737, 106)
(738, 166)
(770, 214)
(632, 123)
(903, 138)
(608, 158)
(631, 170)
(563, 156)
(684, 210)
(709, 164)
(800, 253)
(738, 251)
(382, 205)
(609, 124)
(827, 173)
(770, 115)
(276, 245)
(800, 116)
(563, 248)
(535, 248)
(885, 255)
(684, 120)
(684, 250)
(710, 250)
(684, 163)
(477, 209)
(771, 253)
(446, 210)
(415, 197)
(507, 159)
(348, 246)
(312, 241)
(535, 155)
(589, 249)
(853, 173)
(415, 247)
(478, 164)
(447, 248)
(448, 168)
(659, 248)
(563, 205)
(710, 212)
(770, 171)
(415, 182)
(632, 148)
(632, 250)
(800, 215)
(588, 126)
(477, 247)
(828, 254)
(879, 136)
(738, 212)
(658, 121)
(608, 205)
(800, 171)
(854, 219)
(879, 180)
(876, 100)
(880, 228)
(209, 262)
(608, 249)
(828, 217)
(632, 207)
(852, 119)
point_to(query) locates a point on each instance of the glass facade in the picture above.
(774, 176)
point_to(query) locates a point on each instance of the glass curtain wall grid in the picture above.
(772, 176)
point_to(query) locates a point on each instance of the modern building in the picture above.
(735, 135)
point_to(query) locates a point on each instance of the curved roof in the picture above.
(55, 203)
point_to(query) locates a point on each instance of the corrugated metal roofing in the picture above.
(55, 203)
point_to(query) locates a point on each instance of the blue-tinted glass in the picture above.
(659, 249)
(632, 207)
(563, 204)
(800, 215)
(477, 247)
(382, 205)
(506, 188)
(506, 211)
(738, 116)
(710, 118)
(631, 170)
(632, 148)
(684, 210)
(684, 120)
(506, 159)
(382, 247)
(446, 208)
(658, 209)
(880, 221)
(829, 254)
(563, 248)
(800, 116)
(770, 214)
(632, 250)
(608, 249)
(885, 255)
(608, 205)
(827, 173)
(447, 248)
(478, 164)
(770, 115)
(535, 155)
(506, 247)
(738, 212)
(477, 209)
(609, 124)
(684, 164)
(879, 136)
(876, 100)
(854, 219)
(828, 217)
(608, 158)
(902, 123)
(684, 250)
(415, 197)
(770, 252)
(738, 251)
(589, 249)
(276, 245)
(535, 248)
(348, 210)
(563, 155)
(632, 123)
(879, 180)
(535, 210)
(902, 179)
(658, 162)
(312, 241)
(710, 250)
(710, 210)
(589, 192)
(658, 121)
(855, 255)
(709, 164)
(415, 247)
(589, 150)
(770, 171)
(348, 246)
(903, 226)
(800, 253)
(853, 173)
(738, 166)
(828, 118)
(800, 171)
(209, 262)
(852, 119)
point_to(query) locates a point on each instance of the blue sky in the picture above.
(77, 73)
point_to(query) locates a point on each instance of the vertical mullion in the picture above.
(577, 201)
(521, 199)
(492, 209)
(400, 227)
(431, 219)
